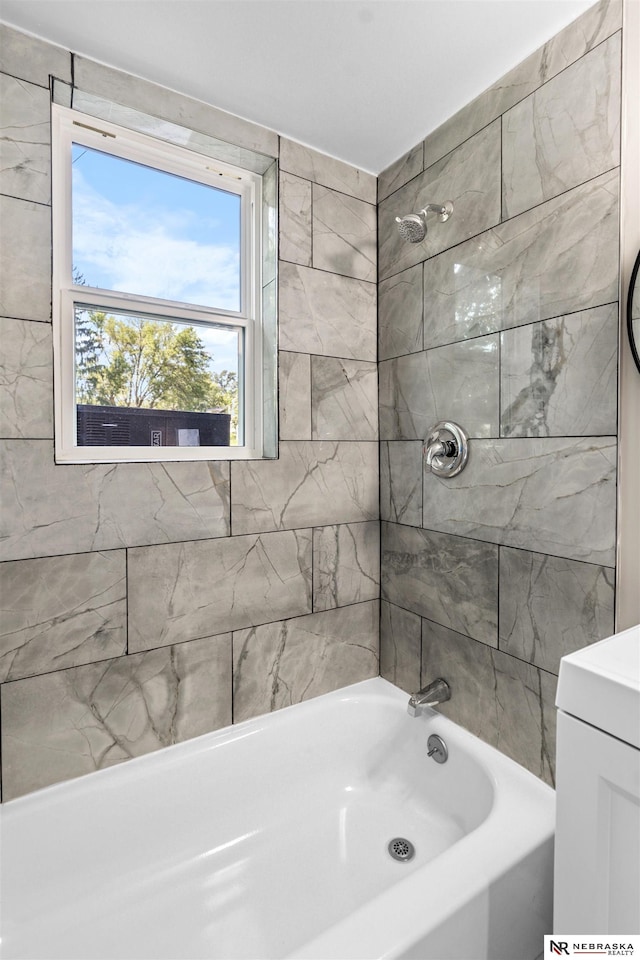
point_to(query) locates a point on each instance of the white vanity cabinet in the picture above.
(597, 847)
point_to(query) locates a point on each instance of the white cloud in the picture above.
(127, 248)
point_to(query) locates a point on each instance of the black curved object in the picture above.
(635, 347)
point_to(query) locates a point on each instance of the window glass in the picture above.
(144, 380)
(149, 232)
(164, 335)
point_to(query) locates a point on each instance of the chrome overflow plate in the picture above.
(446, 449)
(437, 748)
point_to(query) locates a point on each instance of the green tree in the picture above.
(227, 383)
(125, 361)
(88, 344)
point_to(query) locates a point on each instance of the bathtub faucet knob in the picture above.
(446, 449)
(430, 696)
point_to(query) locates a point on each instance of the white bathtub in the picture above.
(269, 839)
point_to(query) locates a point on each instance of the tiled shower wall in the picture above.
(505, 320)
(146, 604)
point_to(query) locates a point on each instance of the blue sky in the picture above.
(140, 230)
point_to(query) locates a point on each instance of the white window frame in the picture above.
(71, 126)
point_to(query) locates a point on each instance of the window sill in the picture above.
(156, 455)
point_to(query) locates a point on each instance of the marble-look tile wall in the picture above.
(143, 604)
(505, 319)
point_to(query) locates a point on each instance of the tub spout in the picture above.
(436, 692)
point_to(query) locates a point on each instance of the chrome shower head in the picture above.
(413, 227)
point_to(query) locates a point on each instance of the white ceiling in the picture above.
(361, 80)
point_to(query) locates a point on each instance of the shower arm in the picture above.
(444, 211)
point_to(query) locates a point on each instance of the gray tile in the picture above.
(559, 377)
(463, 295)
(567, 46)
(469, 177)
(344, 234)
(25, 259)
(451, 580)
(61, 612)
(559, 258)
(400, 172)
(326, 314)
(548, 712)
(566, 133)
(270, 223)
(400, 646)
(182, 591)
(25, 140)
(583, 34)
(550, 606)
(279, 664)
(101, 714)
(320, 168)
(26, 379)
(32, 59)
(401, 467)
(555, 496)
(62, 93)
(104, 81)
(295, 219)
(456, 382)
(51, 509)
(346, 564)
(295, 396)
(400, 314)
(311, 484)
(270, 369)
(507, 703)
(157, 126)
(344, 399)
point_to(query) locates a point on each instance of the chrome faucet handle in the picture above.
(446, 449)
(440, 448)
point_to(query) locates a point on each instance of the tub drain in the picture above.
(401, 849)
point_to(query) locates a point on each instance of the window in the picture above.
(157, 299)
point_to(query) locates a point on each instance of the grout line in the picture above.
(464, 636)
(126, 601)
(500, 433)
(313, 581)
(502, 223)
(319, 183)
(311, 228)
(311, 405)
(506, 546)
(233, 678)
(502, 204)
(493, 119)
(327, 356)
(37, 203)
(498, 330)
(27, 320)
(499, 564)
(180, 643)
(331, 273)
